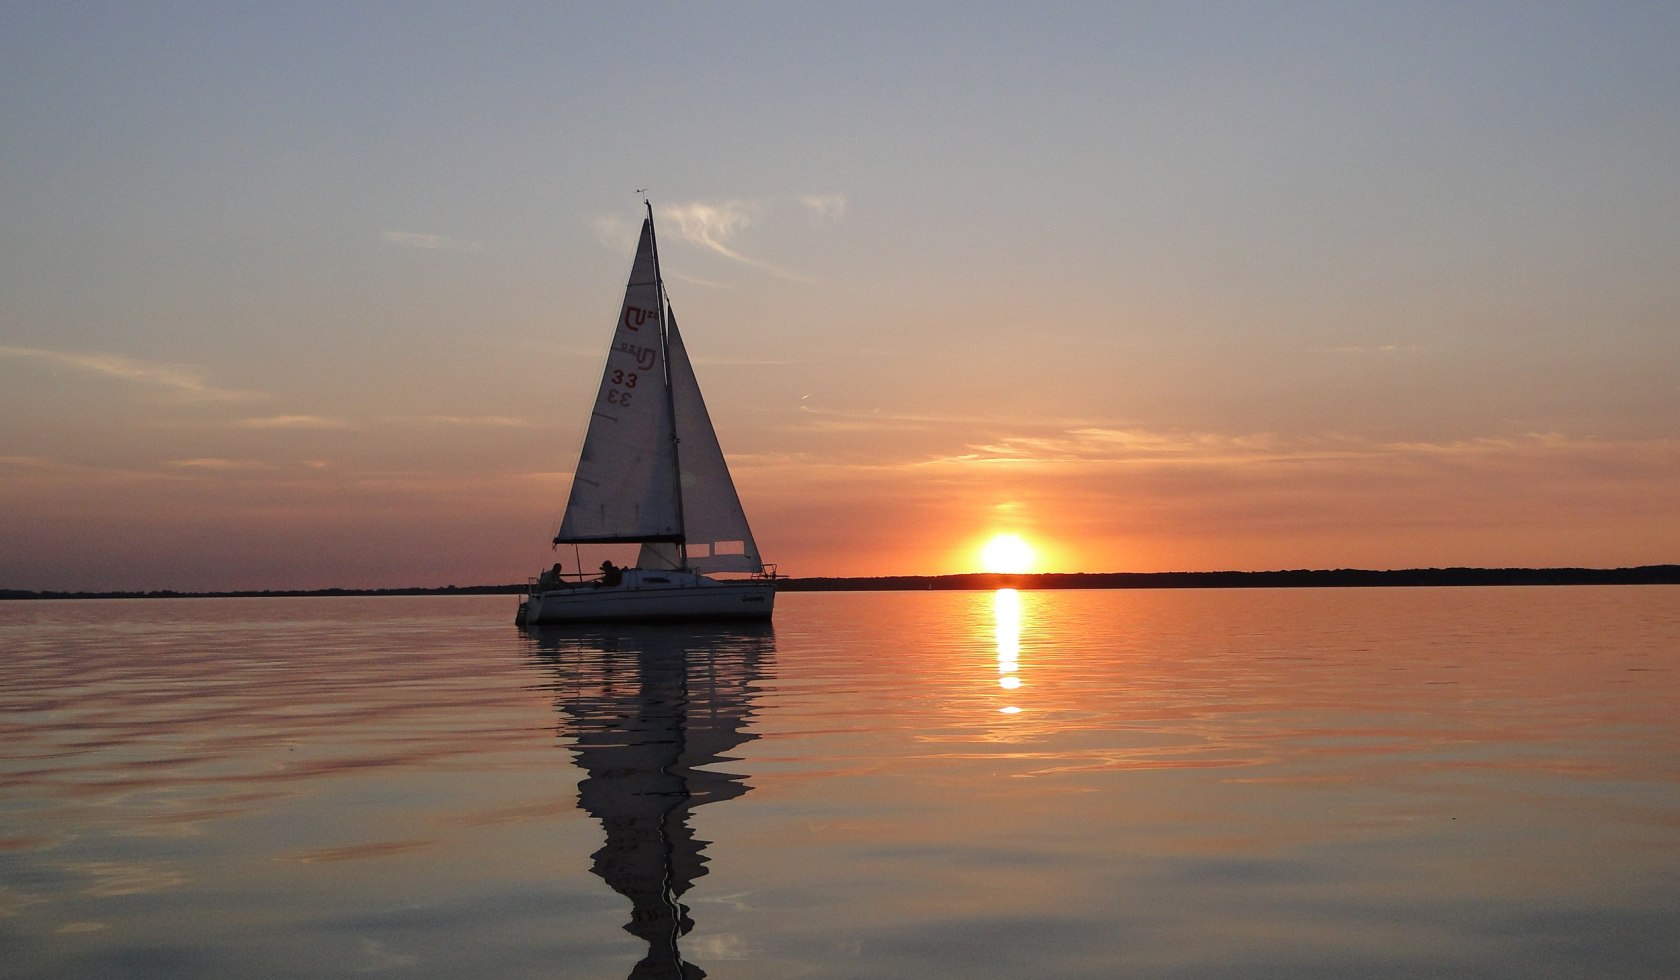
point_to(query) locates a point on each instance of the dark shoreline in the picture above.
(1288, 579)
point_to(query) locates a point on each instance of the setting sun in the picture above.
(1006, 554)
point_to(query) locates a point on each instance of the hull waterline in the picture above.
(693, 601)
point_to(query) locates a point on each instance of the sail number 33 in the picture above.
(620, 393)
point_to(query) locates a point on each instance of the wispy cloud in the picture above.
(220, 465)
(178, 381)
(931, 441)
(294, 422)
(323, 422)
(330, 422)
(718, 226)
(824, 420)
(715, 226)
(468, 421)
(443, 243)
(1130, 446)
(1103, 447)
(828, 207)
(813, 418)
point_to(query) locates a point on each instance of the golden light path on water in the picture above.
(1006, 611)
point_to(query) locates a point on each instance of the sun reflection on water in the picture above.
(1006, 612)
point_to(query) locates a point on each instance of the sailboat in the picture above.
(652, 473)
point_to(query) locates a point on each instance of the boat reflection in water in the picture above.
(648, 710)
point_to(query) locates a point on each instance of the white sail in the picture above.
(714, 524)
(625, 487)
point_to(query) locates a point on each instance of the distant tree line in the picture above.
(1292, 578)
(1286, 579)
(276, 593)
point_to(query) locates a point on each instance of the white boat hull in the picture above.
(651, 597)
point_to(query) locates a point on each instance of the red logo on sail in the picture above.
(645, 357)
(635, 316)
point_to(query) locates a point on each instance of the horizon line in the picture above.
(1458, 575)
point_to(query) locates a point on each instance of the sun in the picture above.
(1006, 554)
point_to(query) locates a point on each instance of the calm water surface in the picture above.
(1312, 783)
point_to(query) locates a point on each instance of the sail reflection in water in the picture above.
(648, 709)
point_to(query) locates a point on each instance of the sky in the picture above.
(318, 294)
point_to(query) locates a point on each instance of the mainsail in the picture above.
(625, 487)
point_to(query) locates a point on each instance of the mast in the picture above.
(670, 398)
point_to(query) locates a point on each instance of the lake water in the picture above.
(1247, 783)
